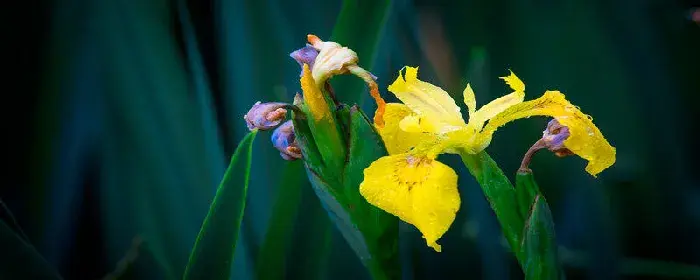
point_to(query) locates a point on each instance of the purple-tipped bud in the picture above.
(553, 139)
(305, 55)
(554, 136)
(284, 140)
(265, 116)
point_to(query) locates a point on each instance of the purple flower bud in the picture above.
(265, 116)
(305, 55)
(554, 137)
(284, 140)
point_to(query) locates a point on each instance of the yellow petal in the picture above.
(514, 82)
(495, 107)
(426, 100)
(470, 100)
(498, 105)
(395, 139)
(585, 138)
(420, 191)
(312, 95)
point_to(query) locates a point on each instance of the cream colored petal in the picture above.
(420, 191)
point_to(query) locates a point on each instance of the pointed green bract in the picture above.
(212, 254)
(539, 250)
(539, 247)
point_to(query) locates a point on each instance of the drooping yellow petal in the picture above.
(420, 191)
(585, 138)
(312, 95)
(426, 100)
(395, 139)
(470, 100)
(514, 82)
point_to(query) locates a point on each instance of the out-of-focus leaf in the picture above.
(19, 259)
(500, 194)
(10, 221)
(271, 258)
(212, 254)
(359, 27)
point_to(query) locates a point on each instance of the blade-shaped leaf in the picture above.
(19, 260)
(212, 254)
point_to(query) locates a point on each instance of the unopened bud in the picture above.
(265, 116)
(554, 136)
(553, 139)
(284, 140)
(305, 55)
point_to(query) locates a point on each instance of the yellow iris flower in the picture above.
(411, 184)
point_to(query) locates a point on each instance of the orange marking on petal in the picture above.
(381, 104)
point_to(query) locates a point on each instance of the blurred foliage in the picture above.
(128, 111)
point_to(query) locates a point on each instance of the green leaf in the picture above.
(212, 254)
(539, 248)
(500, 194)
(19, 259)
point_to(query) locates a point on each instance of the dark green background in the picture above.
(123, 114)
